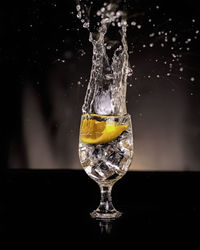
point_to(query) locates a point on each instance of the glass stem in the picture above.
(106, 205)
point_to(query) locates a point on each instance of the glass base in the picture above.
(97, 214)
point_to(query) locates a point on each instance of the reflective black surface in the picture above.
(50, 209)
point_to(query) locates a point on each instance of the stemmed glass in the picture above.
(105, 152)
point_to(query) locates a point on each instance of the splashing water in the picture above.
(106, 91)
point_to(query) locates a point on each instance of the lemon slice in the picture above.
(100, 132)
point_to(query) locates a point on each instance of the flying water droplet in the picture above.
(133, 23)
(173, 39)
(181, 69)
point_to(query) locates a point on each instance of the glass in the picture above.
(107, 157)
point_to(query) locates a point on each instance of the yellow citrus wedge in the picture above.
(100, 132)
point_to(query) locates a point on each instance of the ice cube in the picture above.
(115, 158)
(102, 170)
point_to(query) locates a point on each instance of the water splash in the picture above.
(106, 91)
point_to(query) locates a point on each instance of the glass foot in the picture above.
(97, 214)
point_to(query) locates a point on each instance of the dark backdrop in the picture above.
(45, 58)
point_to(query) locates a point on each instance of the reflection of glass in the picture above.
(105, 152)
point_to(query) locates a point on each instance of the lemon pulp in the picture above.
(100, 132)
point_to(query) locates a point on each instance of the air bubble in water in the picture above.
(197, 31)
(192, 79)
(151, 45)
(139, 26)
(158, 76)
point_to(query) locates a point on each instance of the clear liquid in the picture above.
(107, 163)
(106, 91)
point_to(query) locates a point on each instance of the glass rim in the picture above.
(105, 116)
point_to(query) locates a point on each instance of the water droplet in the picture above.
(119, 24)
(168, 74)
(150, 20)
(86, 25)
(79, 15)
(133, 23)
(151, 45)
(192, 79)
(144, 46)
(181, 69)
(193, 20)
(174, 56)
(170, 19)
(119, 13)
(162, 45)
(158, 76)
(139, 26)
(197, 31)
(152, 35)
(98, 13)
(188, 48)
(149, 76)
(157, 7)
(78, 7)
(174, 39)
